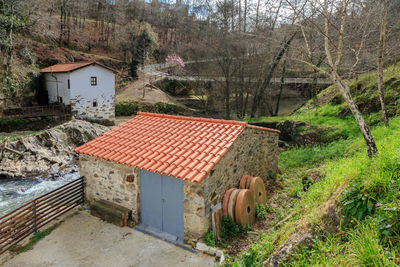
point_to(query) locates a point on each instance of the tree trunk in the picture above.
(257, 13)
(381, 53)
(233, 16)
(61, 25)
(259, 94)
(368, 138)
(240, 16)
(314, 85)
(245, 104)
(227, 100)
(281, 88)
(245, 16)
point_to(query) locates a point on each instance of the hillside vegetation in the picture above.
(348, 215)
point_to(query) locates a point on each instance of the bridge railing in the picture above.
(27, 219)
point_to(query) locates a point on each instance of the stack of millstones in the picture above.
(256, 186)
(240, 204)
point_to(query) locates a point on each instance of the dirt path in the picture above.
(134, 91)
(84, 240)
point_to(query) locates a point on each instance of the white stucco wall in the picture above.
(61, 80)
(83, 94)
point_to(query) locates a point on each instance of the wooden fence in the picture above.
(27, 219)
(36, 111)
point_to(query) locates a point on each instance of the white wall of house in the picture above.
(87, 101)
(57, 86)
(93, 101)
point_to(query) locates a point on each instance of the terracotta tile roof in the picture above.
(67, 67)
(262, 128)
(182, 147)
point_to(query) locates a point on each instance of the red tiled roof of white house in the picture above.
(182, 147)
(67, 67)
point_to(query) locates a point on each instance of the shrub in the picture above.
(230, 228)
(262, 210)
(130, 108)
(166, 108)
(209, 238)
(126, 108)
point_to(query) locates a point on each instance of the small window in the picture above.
(93, 81)
(60, 99)
(94, 103)
(69, 84)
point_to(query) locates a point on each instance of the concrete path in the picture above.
(84, 240)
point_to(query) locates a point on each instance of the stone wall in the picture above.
(83, 108)
(255, 152)
(111, 181)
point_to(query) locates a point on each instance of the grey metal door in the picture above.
(150, 204)
(172, 199)
(161, 203)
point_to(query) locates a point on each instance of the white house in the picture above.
(89, 87)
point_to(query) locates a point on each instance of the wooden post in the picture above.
(34, 216)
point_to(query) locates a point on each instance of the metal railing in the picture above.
(37, 111)
(27, 219)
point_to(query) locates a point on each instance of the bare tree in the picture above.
(380, 56)
(334, 19)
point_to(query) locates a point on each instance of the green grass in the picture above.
(344, 164)
(36, 237)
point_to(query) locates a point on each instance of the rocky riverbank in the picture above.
(49, 153)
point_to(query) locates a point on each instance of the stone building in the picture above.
(172, 171)
(89, 88)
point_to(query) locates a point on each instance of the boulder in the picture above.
(48, 152)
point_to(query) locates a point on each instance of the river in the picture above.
(16, 192)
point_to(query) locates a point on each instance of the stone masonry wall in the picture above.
(111, 181)
(83, 108)
(255, 152)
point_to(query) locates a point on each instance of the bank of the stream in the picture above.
(47, 161)
(336, 206)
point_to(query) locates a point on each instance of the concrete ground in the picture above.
(84, 240)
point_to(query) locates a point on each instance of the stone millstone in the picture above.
(248, 181)
(217, 223)
(225, 201)
(232, 203)
(245, 210)
(257, 188)
(243, 181)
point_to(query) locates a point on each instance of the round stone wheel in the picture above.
(232, 203)
(225, 201)
(245, 210)
(257, 188)
(243, 181)
(248, 181)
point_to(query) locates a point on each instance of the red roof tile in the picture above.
(183, 147)
(67, 67)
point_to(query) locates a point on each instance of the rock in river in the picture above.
(48, 152)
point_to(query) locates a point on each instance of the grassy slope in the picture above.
(366, 191)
